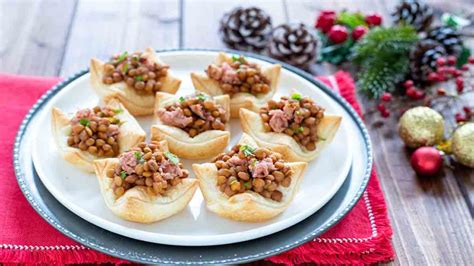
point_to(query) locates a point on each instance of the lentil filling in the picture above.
(295, 116)
(147, 166)
(137, 71)
(245, 168)
(239, 76)
(96, 131)
(194, 114)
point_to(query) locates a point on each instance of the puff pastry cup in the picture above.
(130, 134)
(252, 124)
(239, 100)
(137, 204)
(248, 206)
(136, 104)
(204, 145)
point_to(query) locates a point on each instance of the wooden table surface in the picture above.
(432, 218)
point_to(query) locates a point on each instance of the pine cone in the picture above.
(247, 29)
(423, 59)
(448, 37)
(295, 44)
(414, 13)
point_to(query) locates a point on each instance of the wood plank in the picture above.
(102, 28)
(201, 19)
(33, 35)
(430, 218)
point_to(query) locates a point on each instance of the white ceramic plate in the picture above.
(194, 226)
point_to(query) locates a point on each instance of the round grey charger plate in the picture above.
(139, 251)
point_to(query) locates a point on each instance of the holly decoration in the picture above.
(338, 34)
(340, 31)
(426, 161)
(325, 20)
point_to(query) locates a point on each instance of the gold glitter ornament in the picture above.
(463, 144)
(421, 126)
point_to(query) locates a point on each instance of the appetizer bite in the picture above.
(195, 126)
(249, 183)
(145, 184)
(133, 79)
(247, 84)
(294, 126)
(95, 133)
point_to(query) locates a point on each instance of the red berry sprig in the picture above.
(325, 20)
(455, 83)
(338, 34)
(373, 19)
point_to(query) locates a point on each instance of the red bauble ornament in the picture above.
(426, 161)
(338, 34)
(326, 20)
(373, 19)
(358, 32)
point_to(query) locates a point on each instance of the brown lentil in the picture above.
(194, 114)
(157, 172)
(239, 76)
(244, 168)
(298, 118)
(91, 128)
(138, 72)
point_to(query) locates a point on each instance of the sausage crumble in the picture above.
(194, 114)
(136, 71)
(295, 116)
(147, 166)
(239, 76)
(245, 168)
(96, 131)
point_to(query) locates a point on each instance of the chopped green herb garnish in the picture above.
(321, 139)
(135, 57)
(118, 111)
(296, 96)
(181, 99)
(299, 130)
(139, 157)
(173, 158)
(84, 121)
(113, 120)
(247, 150)
(201, 97)
(240, 59)
(122, 57)
(139, 78)
(247, 184)
(233, 181)
(254, 162)
(123, 174)
(125, 68)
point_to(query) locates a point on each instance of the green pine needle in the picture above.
(383, 57)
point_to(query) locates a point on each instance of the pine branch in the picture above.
(383, 57)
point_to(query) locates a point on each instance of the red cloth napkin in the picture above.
(363, 236)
